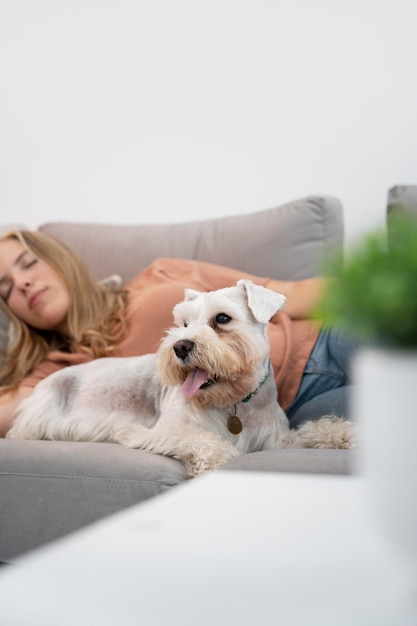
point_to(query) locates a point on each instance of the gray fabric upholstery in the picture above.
(48, 489)
(402, 198)
(297, 461)
(291, 241)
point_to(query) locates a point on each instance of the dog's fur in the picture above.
(213, 365)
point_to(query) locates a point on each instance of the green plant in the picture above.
(374, 294)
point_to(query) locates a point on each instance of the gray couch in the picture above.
(49, 489)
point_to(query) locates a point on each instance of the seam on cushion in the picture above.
(104, 480)
(319, 203)
(322, 204)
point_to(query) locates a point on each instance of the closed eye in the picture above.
(30, 263)
(6, 283)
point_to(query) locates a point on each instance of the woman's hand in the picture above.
(8, 404)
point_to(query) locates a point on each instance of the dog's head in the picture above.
(219, 344)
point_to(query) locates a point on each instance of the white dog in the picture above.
(207, 396)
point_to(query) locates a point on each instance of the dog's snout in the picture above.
(183, 348)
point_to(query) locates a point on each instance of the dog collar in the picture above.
(234, 424)
(252, 393)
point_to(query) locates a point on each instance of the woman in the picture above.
(61, 316)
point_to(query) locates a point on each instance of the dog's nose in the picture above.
(183, 348)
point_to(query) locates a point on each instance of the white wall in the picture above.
(119, 110)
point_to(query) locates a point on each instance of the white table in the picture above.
(235, 548)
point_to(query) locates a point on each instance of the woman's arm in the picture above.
(302, 295)
(8, 404)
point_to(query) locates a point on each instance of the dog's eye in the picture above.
(185, 324)
(222, 318)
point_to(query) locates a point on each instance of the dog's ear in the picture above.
(191, 294)
(262, 302)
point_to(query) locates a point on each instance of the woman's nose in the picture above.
(23, 282)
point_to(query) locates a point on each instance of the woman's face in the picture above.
(32, 289)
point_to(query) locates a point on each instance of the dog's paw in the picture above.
(196, 467)
(328, 432)
(209, 460)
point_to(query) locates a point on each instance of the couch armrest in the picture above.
(402, 198)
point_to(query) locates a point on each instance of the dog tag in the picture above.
(234, 425)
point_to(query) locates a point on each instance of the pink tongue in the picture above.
(193, 382)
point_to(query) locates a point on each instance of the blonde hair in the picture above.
(96, 316)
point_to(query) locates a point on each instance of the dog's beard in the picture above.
(224, 393)
(228, 364)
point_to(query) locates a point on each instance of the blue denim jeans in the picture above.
(326, 383)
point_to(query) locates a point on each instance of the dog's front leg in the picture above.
(199, 449)
(202, 450)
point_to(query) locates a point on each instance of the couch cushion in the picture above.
(291, 241)
(297, 460)
(402, 198)
(51, 488)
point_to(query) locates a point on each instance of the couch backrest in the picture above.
(401, 198)
(292, 241)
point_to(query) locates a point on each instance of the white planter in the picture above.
(385, 406)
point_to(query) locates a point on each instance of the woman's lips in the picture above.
(35, 297)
